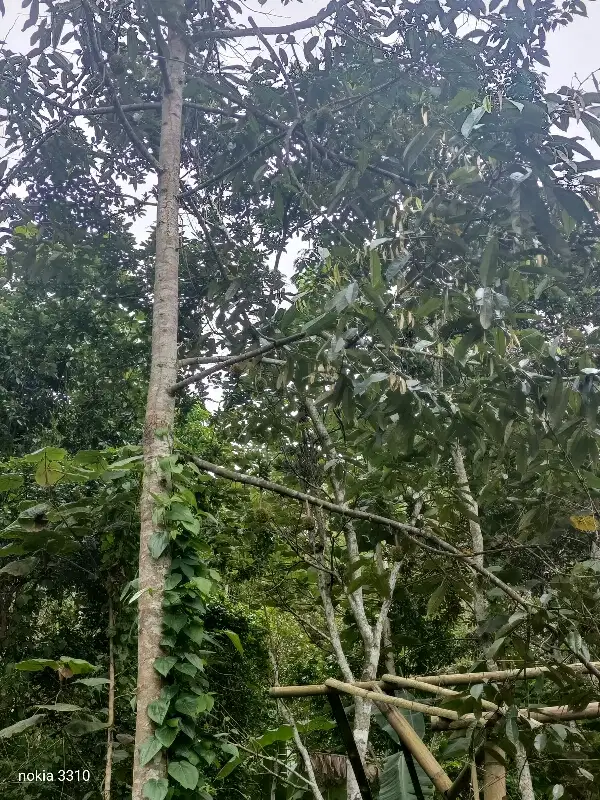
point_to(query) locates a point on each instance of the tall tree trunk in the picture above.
(111, 699)
(160, 408)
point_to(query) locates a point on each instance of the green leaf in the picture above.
(156, 789)
(591, 480)
(557, 400)
(77, 665)
(19, 727)
(93, 682)
(558, 791)
(158, 543)
(10, 481)
(175, 621)
(188, 704)
(463, 99)
(235, 641)
(80, 727)
(184, 773)
(157, 710)
(436, 599)
(472, 120)
(46, 474)
(231, 765)
(427, 308)
(486, 307)
(204, 585)
(195, 660)
(462, 348)
(46, 454)
(61, 707)
(164, 664)
(489, 261)
(396, 783)
(172, 581)
(195, 633)
(512, 729)
(166, 735)
(36, 664)
(419, 143)
(149, 749)
(19, 568)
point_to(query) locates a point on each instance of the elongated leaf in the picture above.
(61, 707)
(22, 725)
(489, 261)
(235, 641)
(19, 568)
(418, 144)
(396, 783)
(471, 121)
(80, 727)
(95, 683)
(232, 764)
(36, 664)
(557, 401)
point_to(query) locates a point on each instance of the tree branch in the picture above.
(292, 27)
(266, 348)
(417, 535)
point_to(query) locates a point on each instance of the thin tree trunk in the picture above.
(160, 408)
(524, 773)
(496, 779)
(111, 700)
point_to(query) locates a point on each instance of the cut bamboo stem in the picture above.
(525, 673)
(399, 702)
(542, 715)
(494, 787)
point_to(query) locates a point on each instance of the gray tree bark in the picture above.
(160, 408)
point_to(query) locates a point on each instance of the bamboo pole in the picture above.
(399, 702)
(424, 682)
(542, 715)
(430, 688)
(412, 741)
(524, 673)
(494, 787)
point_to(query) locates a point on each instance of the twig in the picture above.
(266, 348)
(310, 22)
(239, 163)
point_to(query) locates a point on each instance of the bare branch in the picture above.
(417, 535)
(292, 27)
(199, 376)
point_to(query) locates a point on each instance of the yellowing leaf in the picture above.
(585, 522)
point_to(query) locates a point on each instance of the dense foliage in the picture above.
(400, 470)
